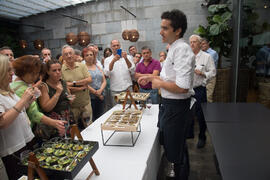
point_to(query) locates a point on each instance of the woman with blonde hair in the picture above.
(15, 130)
(27, 69)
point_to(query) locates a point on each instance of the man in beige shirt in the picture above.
(77, 77)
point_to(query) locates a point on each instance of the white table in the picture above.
(125, 163)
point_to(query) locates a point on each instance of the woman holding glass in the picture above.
(96, 87)
(56, 98)
(15, 130)
(27, 69)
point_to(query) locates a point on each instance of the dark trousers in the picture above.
(97, 107)
(173, 118)
(200, 96)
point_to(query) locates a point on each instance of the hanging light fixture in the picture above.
(39, 44)
(71, 38)
(126, 34)
(84, 39)
(134, 35)
(23, 44)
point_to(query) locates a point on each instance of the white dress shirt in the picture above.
(179, 68)
(204, 63)
(120, 76)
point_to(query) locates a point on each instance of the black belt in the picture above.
(174, 101)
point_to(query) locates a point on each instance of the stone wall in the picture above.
(106, 21)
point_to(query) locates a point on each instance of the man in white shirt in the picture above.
(210, 86)
(175, 82)
(118, 69)
(204, 70)
(132, 50)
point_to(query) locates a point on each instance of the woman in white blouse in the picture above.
(15, 130)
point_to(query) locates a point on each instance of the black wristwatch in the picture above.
(74, 83)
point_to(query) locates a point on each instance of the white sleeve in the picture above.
(106, 66)
(2, 108)
(184, 61)
(132, 68)
(99, 64)
(210, 68)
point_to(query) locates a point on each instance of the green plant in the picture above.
(219, 29)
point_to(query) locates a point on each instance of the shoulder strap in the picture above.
(45, 84)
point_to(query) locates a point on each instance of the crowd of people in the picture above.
(41, 96)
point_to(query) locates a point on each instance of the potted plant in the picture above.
(219, 30)
(219, 33)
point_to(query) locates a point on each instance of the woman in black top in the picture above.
(56, 98)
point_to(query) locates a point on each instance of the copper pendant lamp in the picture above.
(23, 44)
(134, 35)
(71, 38)
(83, 38)
(126, 34)
(39, 44)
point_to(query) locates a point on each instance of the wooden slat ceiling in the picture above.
(16, 9)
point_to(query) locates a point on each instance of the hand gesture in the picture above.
(143, 80)
(98, 92)
(60, 126)
(59, 88)
(161, 59)
(198, 72)
(101, 97)
(28, 95)
(124, 54)
(46, 59)
(116, 58)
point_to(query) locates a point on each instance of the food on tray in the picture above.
(57, 167)
(59, 152)
(71, 166)
(51, 159)
(77, 147)
(67, 146)
(127, 121)
(82, 154)
(57, 145)
(136, 96)
(71, 153)
(118, 113)
(62, 154)
(64, 161)
(127, 113)
(41, 157)
(87, 147)
(48, 150)
(125, 118)
(136, 113)
(114, 120)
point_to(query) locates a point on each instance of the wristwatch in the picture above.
(74, 83)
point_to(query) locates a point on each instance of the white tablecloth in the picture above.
(125, 163)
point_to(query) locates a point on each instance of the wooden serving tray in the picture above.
(128, 120)
(136, 96)
(54, 174)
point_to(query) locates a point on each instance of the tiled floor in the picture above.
(202, 163)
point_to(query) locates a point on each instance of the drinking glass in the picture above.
(149, 103)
